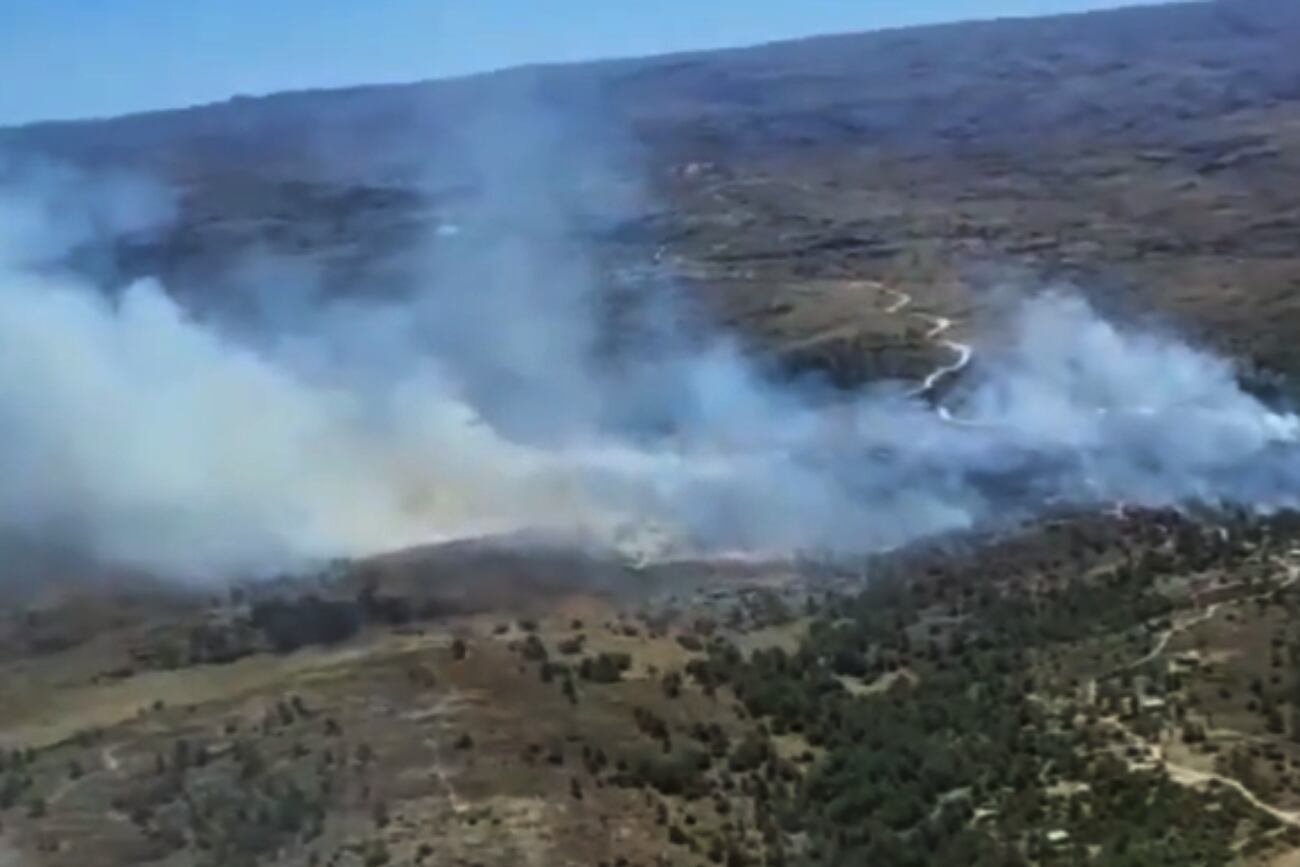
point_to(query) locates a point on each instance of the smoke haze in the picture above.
(485, 399)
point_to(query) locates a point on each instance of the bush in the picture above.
(605, 668)
(678, 774)
(749, 754)
(534, 650)
(572, 646)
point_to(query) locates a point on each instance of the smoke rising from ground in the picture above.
(486, 401)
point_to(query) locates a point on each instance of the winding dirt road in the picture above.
(1182, 774)
(963, 352)
(1193, 778)
(1163, 643)
(939, 326)
(1292, 566)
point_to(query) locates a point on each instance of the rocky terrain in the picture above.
(1116, 688)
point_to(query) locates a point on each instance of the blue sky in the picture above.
(79, 58)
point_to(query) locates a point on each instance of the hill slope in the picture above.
(1149, 153)
(1120, 688)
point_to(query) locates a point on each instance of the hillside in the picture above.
(1116, 686)
(1147, 153)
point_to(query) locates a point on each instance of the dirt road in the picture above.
(939, 326)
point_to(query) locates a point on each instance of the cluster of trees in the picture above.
(286, 622)
(954, 759)
(291, 624)
(903, 770)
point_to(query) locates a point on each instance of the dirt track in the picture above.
(940, 325)
(1183, 774)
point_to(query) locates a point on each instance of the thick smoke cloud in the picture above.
(489, 399)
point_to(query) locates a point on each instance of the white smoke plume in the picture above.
(145, 435)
